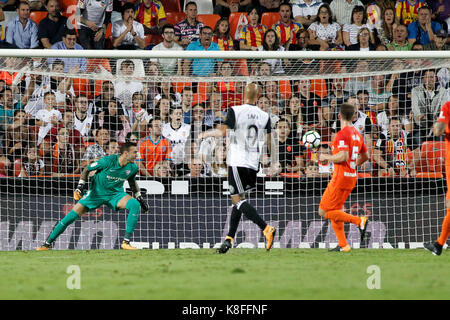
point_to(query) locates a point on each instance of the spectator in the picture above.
(381, 47)
(65, 160)
(305, 12)
(423, 30)
(224, 7)
(53, 27)
(22, 32)
(393, 111)
(362, 98)
(31, 164)
(310, 105)
(69, 42)
(97, 150)
(162, 110)
(188, 30)
(264, 104)
(197, 124)
(112, 118)
(271, 42)
(18, 136)
(385, 31)
(7, 109)
(168, 66)
(75, 137)
(335, 98)
(8, 5)
(406, 11)
(95, 17)
(195, 168)
(47, 117)
(400, 42)
(325, 168)
(289, 151)
(294, 116)
(154, 149)
(403, 84)
(128, 34)
(358, 21)
(202, 67)
(151, 14)
(439, 41)
(219, 162)
(342, 10)
(252, 34)
(312, 169)
(103, 101)
(162, 169)
(125, 87)
(166, 90)
(363, 43)
(272, 92)
(132, 137)
(214, 111)
(226, 88)
(426, 100)
(222, 35)
(286, 29)
(354, 84)
(83, 117)
(324, 32)
(390, 152)
(303, 44)
(267, 6)
(441, 12)
(178, 134)
(208, 146)
(113, 147)
(187, 97)
(379, 92)
(139, 117)
(152, 84)
(37, 5)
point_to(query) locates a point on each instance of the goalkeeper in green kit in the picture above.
(107, 188)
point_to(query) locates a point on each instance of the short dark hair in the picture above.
(347, 111)
(70, 32)
(362, 92)
(205, 27)
(189, 4)
(126, 146)
(155, 118)
(58, 62)
(126, 6)
(167, 26)
(357, 9)
(127, 62)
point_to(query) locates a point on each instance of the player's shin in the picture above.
(234, 221)
(133, 217)
(445, 229)
(250, 213)
(70, 218)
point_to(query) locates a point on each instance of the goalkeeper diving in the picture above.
(106, 187)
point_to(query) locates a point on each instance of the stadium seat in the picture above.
(269, 18)
(241, 67)
(175, 17)
(237, 21)
(290, 174)
(93, 66)
(17, 167)
(171, 5)
(3, 170)
(203, 6)
(64, 4)
(153, 39)
(209, 19)
(364, 175)
(179, 86)
(319, 87)
(204, 88)
(199, 98)
(81, 86)
(285, 89)
(432, 154)
(37, 16)
(428, 175)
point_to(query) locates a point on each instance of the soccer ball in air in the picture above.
(311, 139)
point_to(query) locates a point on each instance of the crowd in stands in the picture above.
(48, 127)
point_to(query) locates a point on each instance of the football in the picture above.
(311, 139)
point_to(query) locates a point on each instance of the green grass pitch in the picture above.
(249, 274)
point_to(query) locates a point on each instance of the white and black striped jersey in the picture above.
(249, 126)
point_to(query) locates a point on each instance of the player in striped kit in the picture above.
(247, 124)
(442, 127)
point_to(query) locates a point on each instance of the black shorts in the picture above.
(241, 179)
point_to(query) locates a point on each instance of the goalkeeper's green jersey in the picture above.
(110, 176)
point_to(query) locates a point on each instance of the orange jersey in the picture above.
(150, 153)
(349, 140)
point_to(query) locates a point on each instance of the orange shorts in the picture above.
(334, 198)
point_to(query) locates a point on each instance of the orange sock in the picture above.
(338, 228)
(445, 229)
(341, 216)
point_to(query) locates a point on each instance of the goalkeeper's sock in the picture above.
(338, 228)
(133, 216)
(341, 216)
(234, 221)
(250, 213)
(70, 218)
(445, 229)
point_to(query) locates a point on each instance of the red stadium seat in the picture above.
(171, 6)
(179, 86)
(319, 87)
(3, 170)
(153, 39)
(175, 17)
(428, 175)
(92, 66)
(285, 89)
(209, 19)
(64, 4)
(81, 86)
(269, 18)
(37, 16)
(432, 154)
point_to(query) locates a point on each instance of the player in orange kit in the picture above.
(441, 126)
(348, 152)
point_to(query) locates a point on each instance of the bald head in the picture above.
(251, 93)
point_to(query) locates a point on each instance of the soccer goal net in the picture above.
(60, 111)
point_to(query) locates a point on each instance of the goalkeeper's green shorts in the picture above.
(92, 202)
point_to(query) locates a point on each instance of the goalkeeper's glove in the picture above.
(143, 203)
(79, 191)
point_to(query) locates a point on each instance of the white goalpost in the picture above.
(59, 110)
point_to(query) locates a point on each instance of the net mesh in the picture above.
(58, 114)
